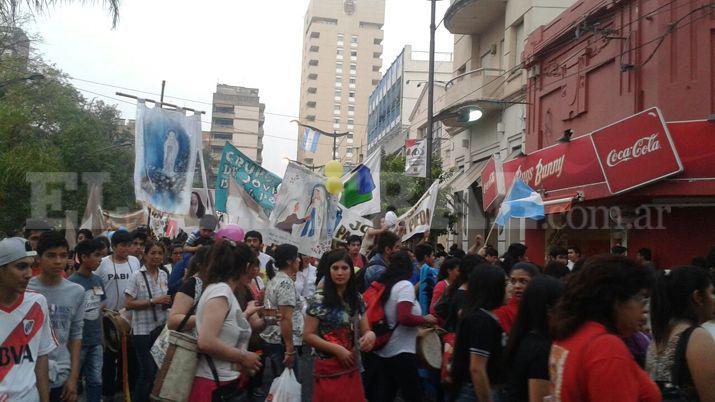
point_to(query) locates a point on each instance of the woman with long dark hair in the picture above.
(527, 353)
(601, 304)
(223, 330)
(519, 277)
(448, 273)
(683, 353)
(285, 336)
(477, 370)
(398, 359)
(335, 325)
(457, 292)
(190, 292)
(516, 253)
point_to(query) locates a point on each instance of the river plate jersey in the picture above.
(25, 334)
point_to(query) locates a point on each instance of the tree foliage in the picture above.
(47, 126)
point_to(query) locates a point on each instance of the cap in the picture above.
(208, 222)
(13, 249)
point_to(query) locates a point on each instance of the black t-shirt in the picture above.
(189, 288)
(455, 304)
(481, 334)
(531, 361)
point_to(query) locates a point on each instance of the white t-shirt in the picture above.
(116, 278)
(263, 259)
(236, 331)
(403, 339)
(710, 327)
(570, 265)
(305, 281)
(25, 335)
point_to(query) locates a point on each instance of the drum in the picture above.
(115, 326)
(429, 348)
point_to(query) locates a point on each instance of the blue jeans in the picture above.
(90, 362)
(466, 394)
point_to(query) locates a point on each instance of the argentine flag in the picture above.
(310, 139)
(522, 202)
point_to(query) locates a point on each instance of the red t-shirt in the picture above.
(594, 365)
(507, 314)
(358, 262)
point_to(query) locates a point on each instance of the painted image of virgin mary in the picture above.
(171, 152)
(315, 215)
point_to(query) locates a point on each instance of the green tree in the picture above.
(47, 126)
(13, 10)
(403, 192)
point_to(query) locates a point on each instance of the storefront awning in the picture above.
(469, 176)
(559, 205)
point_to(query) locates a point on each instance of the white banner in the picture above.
(416, 158)
(304, 213)
(348, 223)
(419, 218)
(166, 143)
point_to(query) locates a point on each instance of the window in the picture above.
(313, 62)
(223, 136)
(223, 109)
(353, 53)
(338, 93)
(351, 127)
(351, 121)
(336, 107)
(354, 39)
(353, 66)
(339, 65)
(321, 20)
(375, 82)
(315, 35)
(352, 80)
(377, 41)
(336, 125)
(351, 108)
(340, 52)
(341, 39)
(312, 76)
(310, 117)
(375, 68)
(310, 104)
(336, 121)
(520, 37)
(351, 94)
(314, 48)
(223, 122)
(312, 90)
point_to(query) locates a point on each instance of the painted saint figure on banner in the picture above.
(171, 151)
(314, 225)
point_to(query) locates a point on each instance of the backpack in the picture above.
(680, 388)
(375, 314)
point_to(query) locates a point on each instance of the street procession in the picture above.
(357, 201)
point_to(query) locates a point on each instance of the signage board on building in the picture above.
(416, 158)
(636, 151)
(493, 189)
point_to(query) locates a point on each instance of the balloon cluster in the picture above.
(334, 172)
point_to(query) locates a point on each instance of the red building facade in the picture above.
(601, 62)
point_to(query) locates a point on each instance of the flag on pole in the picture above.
(310, 139)
(522, 202)
(361, 187)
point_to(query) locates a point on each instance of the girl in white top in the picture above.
(223, 329)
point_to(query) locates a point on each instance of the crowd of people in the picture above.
(581, 328)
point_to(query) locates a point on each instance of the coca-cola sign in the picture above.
(636, 151)
(641, 147)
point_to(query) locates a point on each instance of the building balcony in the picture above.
(482, 83)
(471, 17)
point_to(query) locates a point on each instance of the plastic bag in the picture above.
(285, 388)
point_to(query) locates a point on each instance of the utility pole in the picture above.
(430, 91)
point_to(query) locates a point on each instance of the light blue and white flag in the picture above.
(522, 202)
(310, 139)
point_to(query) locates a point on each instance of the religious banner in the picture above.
(348, 223)
(419, 218)
(166, 143)
(258, 183)
(243, 210)
(416, 158)
(304, 213)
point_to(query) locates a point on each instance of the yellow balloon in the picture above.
(334, 185)
(333, 169)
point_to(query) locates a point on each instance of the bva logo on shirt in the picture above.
(15, 354)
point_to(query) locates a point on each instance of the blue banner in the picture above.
(257, 182)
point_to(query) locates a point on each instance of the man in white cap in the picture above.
(25, 329)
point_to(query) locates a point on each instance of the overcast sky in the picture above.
(194, 45)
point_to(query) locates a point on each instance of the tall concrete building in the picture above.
(237, 116)
(342, 57)
(396, 94)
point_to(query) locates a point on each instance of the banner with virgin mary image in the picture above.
(304, 214)
(166, 143)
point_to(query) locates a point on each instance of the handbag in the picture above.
(161, 345)
(177, 370)
(226, 392)
(677, 389)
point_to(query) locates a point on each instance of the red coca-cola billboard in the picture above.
(493, 188)
(636, 151)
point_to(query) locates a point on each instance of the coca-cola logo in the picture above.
(640, 148)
